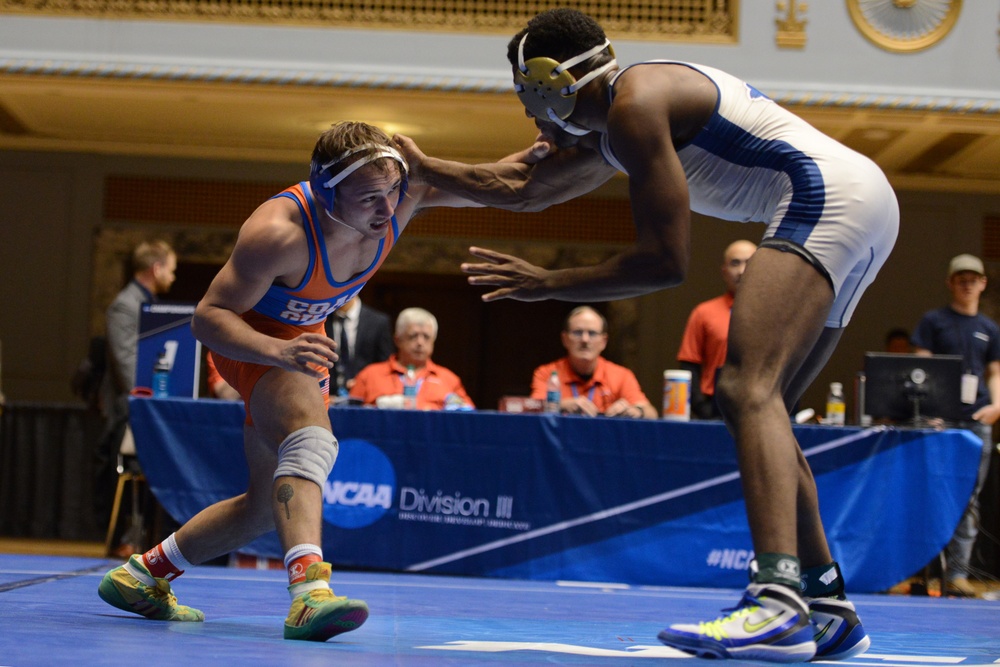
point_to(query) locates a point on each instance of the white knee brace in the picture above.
(309, 453)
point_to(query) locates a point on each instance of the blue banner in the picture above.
(165, 337)
(543, 496)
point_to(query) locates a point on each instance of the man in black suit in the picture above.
(368, 335)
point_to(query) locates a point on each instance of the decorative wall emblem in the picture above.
(792, 25)
(904, 25)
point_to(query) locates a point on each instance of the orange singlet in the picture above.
(287, 312)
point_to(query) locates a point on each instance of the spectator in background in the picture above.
(153, 266)
(217, 386)
(959, 328)
(591, 385)
(363, 335)
(437, 387)
(898, 341)
(703, 347)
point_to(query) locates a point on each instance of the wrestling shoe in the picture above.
(770, 623)
(839, 633)
(131, 587)
(318, 614)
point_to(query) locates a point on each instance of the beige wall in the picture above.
(51, 209)
(50, 212)
(47, 209)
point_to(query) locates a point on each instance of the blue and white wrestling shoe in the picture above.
(771, 623)
(838, 631)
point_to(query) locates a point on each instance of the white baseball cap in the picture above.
(966, 263)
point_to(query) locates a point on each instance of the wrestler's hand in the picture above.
(516, 278)
(412, 154)
(308, 353)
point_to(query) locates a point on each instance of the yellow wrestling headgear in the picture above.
(548, 90)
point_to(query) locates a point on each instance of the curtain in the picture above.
(47, 471)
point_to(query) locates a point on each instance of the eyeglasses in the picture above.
(580, 333)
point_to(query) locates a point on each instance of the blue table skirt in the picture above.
(539, 496)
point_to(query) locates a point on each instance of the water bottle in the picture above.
(410, 389)
(553, 393)
(835, 406)
(863, 418)
(161, 377)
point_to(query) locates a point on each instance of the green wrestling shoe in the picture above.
(131, 587)
(318, 614)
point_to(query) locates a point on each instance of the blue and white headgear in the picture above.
(548, 90)
(323, 178)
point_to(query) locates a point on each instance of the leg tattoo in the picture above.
(285, 494)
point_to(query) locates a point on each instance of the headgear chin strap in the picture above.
(548, 90)
(324, 181)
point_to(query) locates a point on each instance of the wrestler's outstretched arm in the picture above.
(531, 180)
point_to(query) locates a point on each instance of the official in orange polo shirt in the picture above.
(592, 385)
(437, 387)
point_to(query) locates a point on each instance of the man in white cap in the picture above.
(959, 328)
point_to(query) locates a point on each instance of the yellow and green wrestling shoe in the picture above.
(131, 587)
(318, 614)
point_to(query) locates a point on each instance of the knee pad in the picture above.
(309, 453)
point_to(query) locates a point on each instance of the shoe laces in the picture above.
(324, 595)
(162, 592)
(717, 628)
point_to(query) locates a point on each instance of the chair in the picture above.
(128, 473)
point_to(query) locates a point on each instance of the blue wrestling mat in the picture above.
(50, 615)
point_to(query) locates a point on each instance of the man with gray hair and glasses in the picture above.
(590, 385)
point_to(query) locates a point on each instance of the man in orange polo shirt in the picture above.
(437, 387)
(592, 385)
(703, 347)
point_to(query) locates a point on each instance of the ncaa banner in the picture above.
(542, 496)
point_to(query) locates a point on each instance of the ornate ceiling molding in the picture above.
(346, 76)
(886, 101)
(449, 81)
(710, 21)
